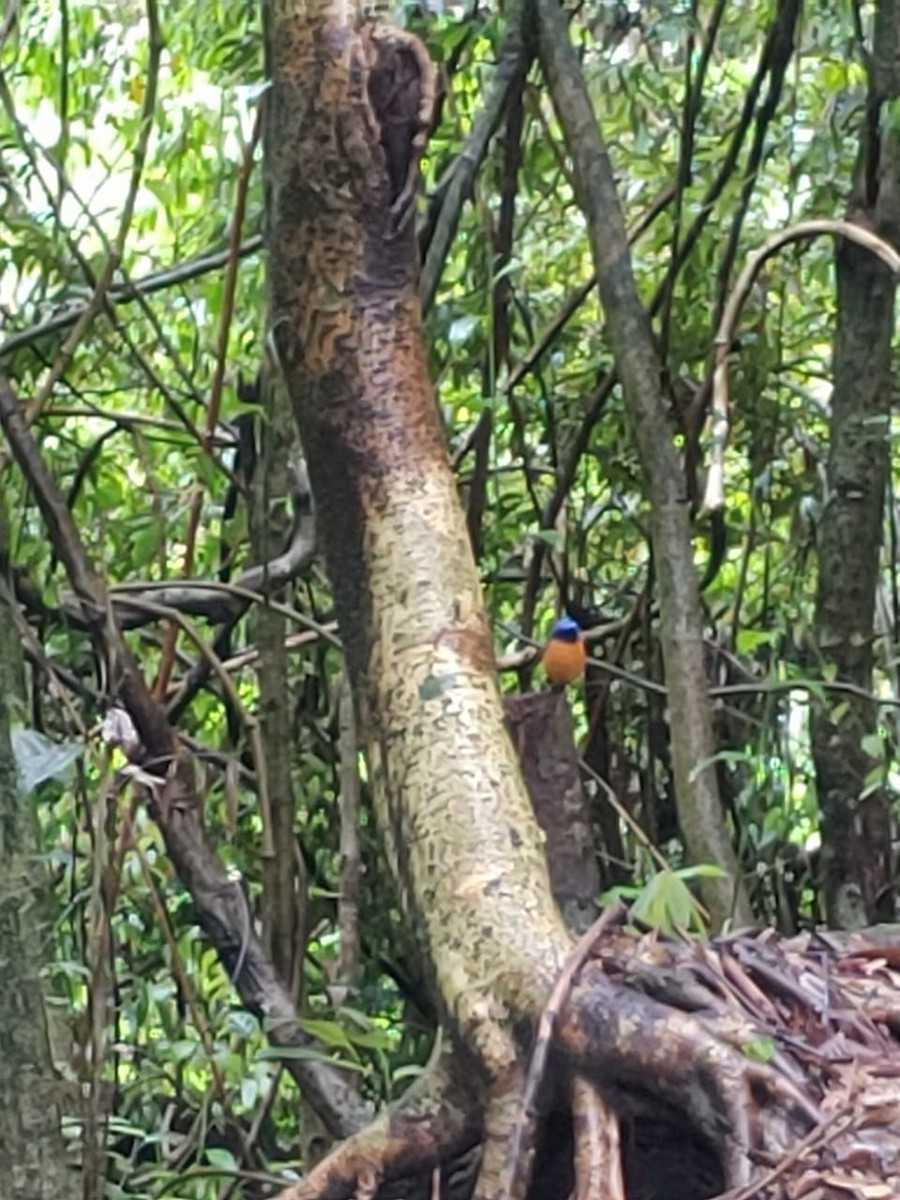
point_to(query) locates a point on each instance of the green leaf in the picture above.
(760, 1048)
(749, 640)
(701, 871)
(873, 745)
(665, 903)
(551, 537)
(183, 1050)
(303, 1053)
(146, 543)
(329, 1033)
(462, 329)
(218, 1156)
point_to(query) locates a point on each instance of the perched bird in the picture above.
(564, 655)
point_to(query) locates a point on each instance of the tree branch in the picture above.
(176, 806)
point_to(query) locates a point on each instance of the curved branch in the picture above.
(436, 1121)
(714, 497)
(223, 602)
(214, 600)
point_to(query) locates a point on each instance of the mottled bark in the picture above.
(453, 811)
(33, 1163)
(454, 816)
(700, 811)
(857, 866)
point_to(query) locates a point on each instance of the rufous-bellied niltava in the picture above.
(564, 655)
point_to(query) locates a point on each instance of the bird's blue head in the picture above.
(566, 629)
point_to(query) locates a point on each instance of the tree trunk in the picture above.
(541, 728)
(33, 1164)
(454, 814)
(857, 860)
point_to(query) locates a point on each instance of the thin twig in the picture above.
(824, 1133)
(198, 866)
(98, 957)
(129, 291)
(350, 858)
(226, 313)
(512, 61)
(764, 687)
(97, 301)
(9, 20)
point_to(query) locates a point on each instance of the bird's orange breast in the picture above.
(563, 661)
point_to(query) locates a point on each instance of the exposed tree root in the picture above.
(513, 1184)
(436, 1120)
(598, 1151)
(501, 1122)
(655, 1075)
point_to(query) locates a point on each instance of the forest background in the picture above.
(133, 298)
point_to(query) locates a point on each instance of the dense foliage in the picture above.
(132, 293)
